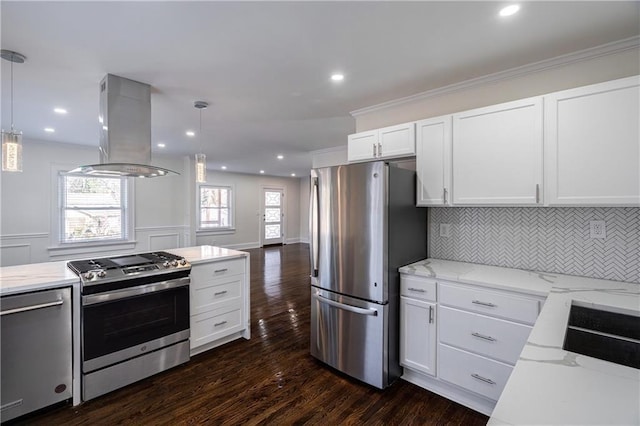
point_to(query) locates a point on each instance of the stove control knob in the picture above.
(183, 261)
(89, 275)
(166, 264)
(102, 274)
(174, 263)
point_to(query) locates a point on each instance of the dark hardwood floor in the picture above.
(268, 380)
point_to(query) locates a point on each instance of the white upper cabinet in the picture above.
(363, 146)
(388, 142)
(497, 154)
(592, 145)
(433, 161)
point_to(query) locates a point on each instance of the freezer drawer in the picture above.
(350, 335)
(35, 351)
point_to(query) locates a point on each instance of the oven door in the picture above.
(126, 323)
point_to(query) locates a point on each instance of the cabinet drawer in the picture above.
(492, 337)
(472, 372)
(418, 287)
(204, 273)
(208, 327)
(490, 303)
(214, 294)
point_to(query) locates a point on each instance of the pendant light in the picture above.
(12, 140)
(201, 159)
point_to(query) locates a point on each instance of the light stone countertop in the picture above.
(202, 254)
(550, 385)
(42, 276)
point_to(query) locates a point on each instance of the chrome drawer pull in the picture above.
(219, 324)
(489, 304)
(482, 336)
(220, 270)
(220, 292)
(419, 290)
(483, 379)
(430, 314)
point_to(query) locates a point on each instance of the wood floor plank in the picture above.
(268, 380)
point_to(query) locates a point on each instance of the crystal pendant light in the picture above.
(201, 159)
(12, 140)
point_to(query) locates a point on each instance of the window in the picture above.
(215, 207)
(92, 209)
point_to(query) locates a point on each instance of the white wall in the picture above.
(574, 70)
(164, 207)
(28, 199)
(248, 215)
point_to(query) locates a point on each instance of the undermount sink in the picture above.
(605, 335)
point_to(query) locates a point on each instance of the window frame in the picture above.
(59, 247)
(232, 210)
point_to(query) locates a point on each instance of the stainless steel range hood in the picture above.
(125, 131)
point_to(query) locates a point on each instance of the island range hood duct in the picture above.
(125, 131)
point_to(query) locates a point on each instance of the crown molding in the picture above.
(558, 61)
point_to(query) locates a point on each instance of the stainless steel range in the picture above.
(135, 318)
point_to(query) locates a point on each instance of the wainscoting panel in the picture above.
(542, 239)
(15, 254)
(164, 241)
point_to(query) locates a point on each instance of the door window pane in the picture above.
(272, 231)
(272, 214)
(271, 198)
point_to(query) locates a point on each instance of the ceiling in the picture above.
(265, 67)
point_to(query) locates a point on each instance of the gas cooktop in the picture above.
(108, 269)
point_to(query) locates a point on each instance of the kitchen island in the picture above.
(232, 302)
(550, 385)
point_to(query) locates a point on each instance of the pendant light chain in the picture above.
(12, 96)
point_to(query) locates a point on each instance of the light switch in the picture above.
(445, 230)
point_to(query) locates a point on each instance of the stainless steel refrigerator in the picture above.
(364, 225)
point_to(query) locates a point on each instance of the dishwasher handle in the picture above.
(31, 307)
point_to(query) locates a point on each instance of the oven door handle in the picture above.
(110, 296)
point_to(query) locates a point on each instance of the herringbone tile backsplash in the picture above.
(542, 239)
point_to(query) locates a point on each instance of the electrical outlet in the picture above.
(597, 229)
(445, 230)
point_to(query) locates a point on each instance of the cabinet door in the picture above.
(433, 161)
(397, 141)
(592, 145)
(497, 154)
(362, 146)
(418, 335)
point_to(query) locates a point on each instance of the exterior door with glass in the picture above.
(272, 216)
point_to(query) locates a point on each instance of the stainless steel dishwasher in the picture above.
(36, 351)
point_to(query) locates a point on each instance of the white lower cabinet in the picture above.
(219, 303)
(467, 355)
(418, 335)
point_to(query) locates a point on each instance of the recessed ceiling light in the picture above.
(49, 129)
(337, 77)
(261, 172)
(293, 174)
(280, 156)
(224, 167)
(190, 133)
(60, 110)
(509, 10)
(161, 145)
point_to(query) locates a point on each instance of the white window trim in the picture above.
(58, 248)
(232, 206)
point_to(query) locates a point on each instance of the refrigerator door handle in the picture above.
(313, 226)
(343, 306)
